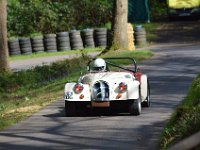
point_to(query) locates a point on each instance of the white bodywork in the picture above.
(135, 89)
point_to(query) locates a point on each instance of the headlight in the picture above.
(122, 87)
(78, 88)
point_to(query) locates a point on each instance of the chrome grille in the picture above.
(100, 91)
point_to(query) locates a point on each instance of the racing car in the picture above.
(106, 84)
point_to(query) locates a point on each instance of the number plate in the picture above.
(69, 95)
(100, 104)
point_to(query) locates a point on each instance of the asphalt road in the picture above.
(170, 72)
(18, 65)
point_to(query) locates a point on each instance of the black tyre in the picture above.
(13, 43)
(37, 45)
(140, 36)
(100, 36)
(14, 53)
(50, 42)
(63, 45)
(88, 38)
(64, 48)
(51, 48)
(135, 107)
(13, 46)
(70, 109)
(36, 41)
(146, 103)
(62, 39)
(76, 40)
(25, 45)
(38, 49)
(140, 32)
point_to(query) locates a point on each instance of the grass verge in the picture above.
(31, 90)
(48, 54)
(186, 119)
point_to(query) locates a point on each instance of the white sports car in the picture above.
(123, 88)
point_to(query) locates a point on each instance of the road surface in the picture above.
(170, 71)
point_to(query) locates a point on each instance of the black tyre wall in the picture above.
(37, 44)
(88, 38)
(63, 41)
(25, 45)
(140, 37)
(50, 43)
(100, 36)
(76, 40)
(13, 47)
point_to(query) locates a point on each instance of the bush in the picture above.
(158, 9)
(51, 16)
(40, 75)
(186, 120)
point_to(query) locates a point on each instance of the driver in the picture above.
(98, 64)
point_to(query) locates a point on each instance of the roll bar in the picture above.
(116, 58)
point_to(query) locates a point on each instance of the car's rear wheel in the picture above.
(146, 102)
(70, 109)
(135, 107)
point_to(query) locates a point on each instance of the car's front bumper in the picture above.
(184, 12)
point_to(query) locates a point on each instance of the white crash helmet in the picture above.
(98, 64)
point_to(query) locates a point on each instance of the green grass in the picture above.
(27, 94)
(185, 121)
(48, 54)
(138, 55)
(27, 102)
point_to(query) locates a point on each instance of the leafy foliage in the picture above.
(158, 9)
(26, 17)
(40, 75)
(186, 120)
(50, 16)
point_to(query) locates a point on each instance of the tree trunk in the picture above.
(119, 24)
(4, 64)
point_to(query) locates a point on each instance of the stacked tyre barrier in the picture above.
(140, 36)
(76, 40)
(13, 46)
(37, 44)
(73, 40)
(100, 36)
(25, 45)
(50, 42)
(63, 41)
(88, 38)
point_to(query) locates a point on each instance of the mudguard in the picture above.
(143, 87)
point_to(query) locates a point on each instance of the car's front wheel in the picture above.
(135, 107)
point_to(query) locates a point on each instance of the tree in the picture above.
(119, 25)
(4, 65)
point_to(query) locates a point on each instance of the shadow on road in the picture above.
(177, 31)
